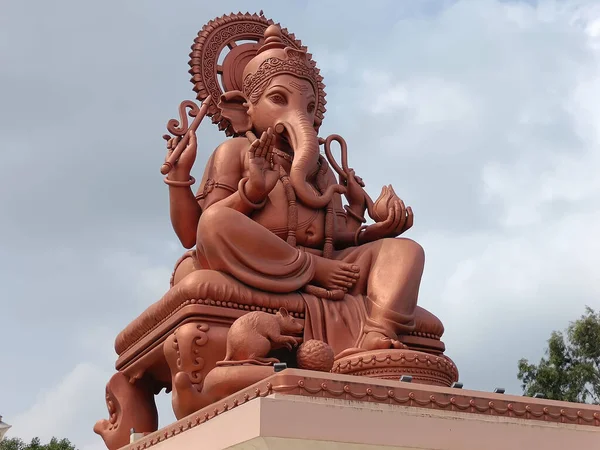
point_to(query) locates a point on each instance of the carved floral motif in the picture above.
(183, 354)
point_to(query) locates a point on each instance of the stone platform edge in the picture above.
(363, 389)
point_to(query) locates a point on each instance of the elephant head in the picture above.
(282, 90)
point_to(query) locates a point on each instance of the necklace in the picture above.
(283, 155)
(293, 209)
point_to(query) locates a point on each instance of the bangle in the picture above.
(174, 183)
(354, 215)
(357, 234)
(245, 199)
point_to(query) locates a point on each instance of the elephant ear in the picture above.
(233, 108)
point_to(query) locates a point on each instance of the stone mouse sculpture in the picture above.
(254, 335)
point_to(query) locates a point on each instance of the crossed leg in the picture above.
(391, 271)
(387, 271)
(231, 242)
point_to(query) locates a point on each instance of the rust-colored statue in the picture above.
(271, 236)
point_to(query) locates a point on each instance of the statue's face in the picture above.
(286, 98)
(289, 101)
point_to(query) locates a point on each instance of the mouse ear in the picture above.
(283, 311)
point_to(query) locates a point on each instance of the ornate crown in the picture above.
(248, 65)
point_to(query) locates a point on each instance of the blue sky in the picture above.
(482, 114)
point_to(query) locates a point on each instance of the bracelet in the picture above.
(354, 215)
(241, 186)
(174, 183)
(357, 234)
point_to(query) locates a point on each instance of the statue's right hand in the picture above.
(263, 175)
(183, 166)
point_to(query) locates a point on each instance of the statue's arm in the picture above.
(185, 214)
(183, 206)
(344, 237)
(221, 179)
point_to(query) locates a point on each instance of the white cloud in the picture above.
(330, 62)
(428, 100)
(68, 409)
(148, 281)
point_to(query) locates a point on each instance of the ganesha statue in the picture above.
(281, 264)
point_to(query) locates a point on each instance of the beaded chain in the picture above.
(293, 208)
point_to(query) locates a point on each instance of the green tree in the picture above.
(570, 371)
(35, 444)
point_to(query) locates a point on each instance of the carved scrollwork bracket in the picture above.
(130, 405)
(183, 352)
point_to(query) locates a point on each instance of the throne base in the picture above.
(176, 343)
(424, 368)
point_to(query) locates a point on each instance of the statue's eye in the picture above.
(311, 107)
(278, 99)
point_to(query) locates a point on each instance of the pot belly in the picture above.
(311, 228)
(274, 216)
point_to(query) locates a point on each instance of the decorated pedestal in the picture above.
(298, 409)
(424, 368)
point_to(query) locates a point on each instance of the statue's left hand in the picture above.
(355, 193)
(400, 219)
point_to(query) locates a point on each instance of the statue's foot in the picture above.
(379, 341)
(334, 275)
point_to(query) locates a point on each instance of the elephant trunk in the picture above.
(304, 141)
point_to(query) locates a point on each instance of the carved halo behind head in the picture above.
(223, 49)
